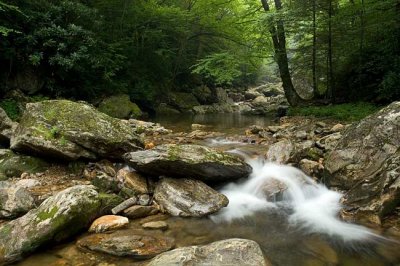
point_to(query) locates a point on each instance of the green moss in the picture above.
(120, 106)
(173, 152)
(344, 112)
(44, 215)
(11, 108)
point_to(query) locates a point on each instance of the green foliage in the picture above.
(11, 108)
(343, 112)
(220, 68)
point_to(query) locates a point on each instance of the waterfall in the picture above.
(312, 206)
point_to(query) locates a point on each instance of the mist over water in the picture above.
(310, 206)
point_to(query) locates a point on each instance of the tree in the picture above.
(277, 30)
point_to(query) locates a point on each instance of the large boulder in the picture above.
(13, 164)
(72, 130)
(188, 198)
(56, 219)
(226, 252)
(7, 127)
(366, 161)
(192, 161)
(120, 106)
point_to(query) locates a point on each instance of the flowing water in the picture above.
(298, 227)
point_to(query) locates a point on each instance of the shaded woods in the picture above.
(327, 50)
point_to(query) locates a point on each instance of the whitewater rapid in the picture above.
(313, 207)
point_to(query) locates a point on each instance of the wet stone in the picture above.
(120, 244)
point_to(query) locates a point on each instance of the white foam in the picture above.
(315, 207)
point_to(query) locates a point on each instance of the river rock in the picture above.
(122, 244)
(120, 106)
(148, 128)
(329, 142)
(7, 127)
(193, 161)
(107, 223)
(57, 218)
(138, 211)
(161, 225)
(187, 197)
(226, 252)
(15, 200)
(281, 151)
(366, 161)
(13, 164)
(134, 181)
(72, 130)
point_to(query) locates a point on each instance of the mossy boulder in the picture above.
(188, 161)
(7, 127)
(71, 130)
(56, 219)
(366, 162)
(183, 101)
(14, 164)
(120, 106)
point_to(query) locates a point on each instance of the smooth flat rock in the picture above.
(191, 161)
(188, 197)
(71, 130)
(226, 252)
(56, 219)
(108, 223)
(162, 225)
(121, 244)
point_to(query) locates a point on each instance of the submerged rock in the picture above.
(186, 197)
(57, 218)
(366, 161)
(155, 225)
(107, 223)
(15, 200)
(72, 130)
(193, 161)
(226, 252)
(121, 244)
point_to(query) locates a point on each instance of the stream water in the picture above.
(302, 228)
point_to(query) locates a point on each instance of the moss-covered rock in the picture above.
(189, 161)
(120, 106)
(183, 101)
(56, 219)
(72, 130)
(14, 164)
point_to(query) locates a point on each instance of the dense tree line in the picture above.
(340, 50)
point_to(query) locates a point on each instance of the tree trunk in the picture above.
(314, 50)
(330, 93)
(279, 42)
